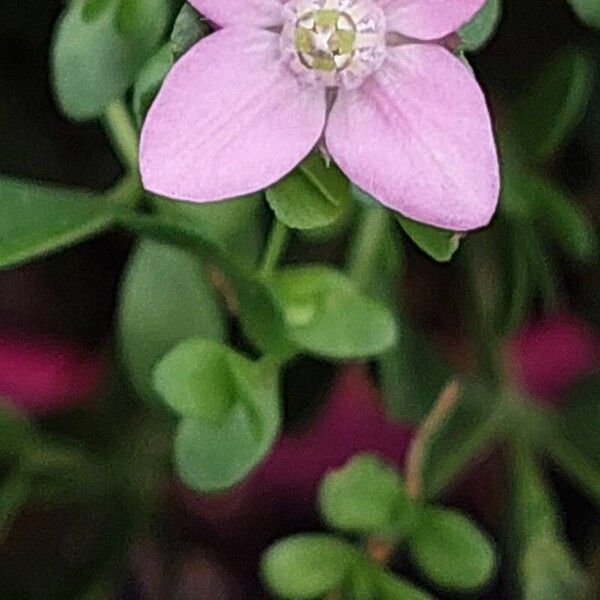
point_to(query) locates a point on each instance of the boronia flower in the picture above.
(368, 79)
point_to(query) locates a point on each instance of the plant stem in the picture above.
(275, 248)
(429, 427)
(366, 245)
(481, 295)
(123, 134)
(127, 192)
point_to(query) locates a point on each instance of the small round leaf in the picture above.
(368, 497)
(327, 315)
(451, 550)
(307, 566)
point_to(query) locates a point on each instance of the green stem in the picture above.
(127, 192)
(123, 134)
(481, 296)
(573, 463)
(366, 245)
(275, 248)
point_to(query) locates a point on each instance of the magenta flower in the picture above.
(400, 115)
(547, 356)
(41, 375)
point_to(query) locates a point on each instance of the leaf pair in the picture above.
(368, 498)
(229, 408)
(99, 48)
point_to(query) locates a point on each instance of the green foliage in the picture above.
(165, 298)
(437, 243)
(546, 566)
(451, 551)
(189, 27)
(149, 82)
(476, 421)
(366, 496)
(328, 316)
(260, 316)
(230, 412)
(391, 587)
(307, 566)
(412, 373)
(314, 195)
(99, 49)
(588, 11)
(579, 417)
(14, 492)
(36, 220)
(440, 244)
(481, 28)
(234, 225)
(201, 379)
(551, 107)
(527, 198)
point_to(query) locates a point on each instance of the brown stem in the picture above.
(429, 427)
(380, 549)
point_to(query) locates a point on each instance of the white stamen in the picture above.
(333, 42)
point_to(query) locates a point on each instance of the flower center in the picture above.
(334, 42)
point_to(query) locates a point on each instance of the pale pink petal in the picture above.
(229, 120)
(257, 13)
(429, 19)
(417, 136)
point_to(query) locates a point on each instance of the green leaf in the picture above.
(550, 108)
(578, 466)
(307, 566)
(92, 9)
(366, 497)
(588, 11)
(235, 225)
(165, 299)
(412, 374)
(529, 198)
(550, 571)
(327, 315)
(96, 54)
(314, 195)
(203, 379)
(230, 408)
(451, 550)
(437, 243)
(36, 220)
(189, 28)
(247, 294)
(140, 20)
(391, 587)
(16, 432)
(481, 28)
(14, 490)
(546, 566)
(150, 80)
(579, 417)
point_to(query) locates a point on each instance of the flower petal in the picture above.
(429, 19)
(417, 136)
(229, 120)
(253, 13)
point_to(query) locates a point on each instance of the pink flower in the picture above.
(40, 374)
(548, 355)
(401, 116)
